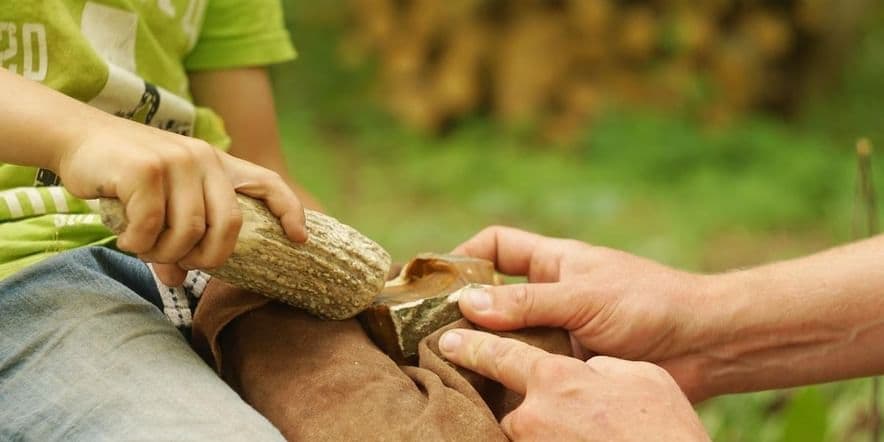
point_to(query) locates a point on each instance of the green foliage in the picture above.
(806, 418)
(646, 183)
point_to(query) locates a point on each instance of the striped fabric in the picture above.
(25, 202)
(179, 302)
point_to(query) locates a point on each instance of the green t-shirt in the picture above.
(129, 58)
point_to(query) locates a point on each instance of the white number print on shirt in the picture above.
(23, 49)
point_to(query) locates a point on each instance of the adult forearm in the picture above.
(809, 320)
(37, 124)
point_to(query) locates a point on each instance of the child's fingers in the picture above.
(145, 211)
(170, 274)
(223, 222)
(185, 216)
(261, 183)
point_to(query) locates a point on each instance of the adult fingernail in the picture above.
(449, 342)
(478, 299)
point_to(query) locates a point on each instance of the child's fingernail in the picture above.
(449, 342)
(478, 299)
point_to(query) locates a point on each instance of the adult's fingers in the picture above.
(505, 360)
(517, 252)
(511, 250)
(223, 223)
(516, 306)
(607, 364)
(615, 367)
(257, 182)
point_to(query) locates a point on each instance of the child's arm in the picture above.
(38, 124)
(244, 100)
(179, 192)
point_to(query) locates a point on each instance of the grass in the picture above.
(657, 185)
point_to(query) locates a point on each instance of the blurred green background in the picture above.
(655, 181)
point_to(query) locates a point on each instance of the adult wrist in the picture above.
(724, 310)
(712, 304)
(775, 330)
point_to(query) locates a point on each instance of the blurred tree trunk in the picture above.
(556, 64)
(839, 36)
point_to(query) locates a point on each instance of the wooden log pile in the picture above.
(558, 63)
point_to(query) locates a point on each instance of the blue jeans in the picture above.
(86, 354)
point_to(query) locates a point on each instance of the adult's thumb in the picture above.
(515, 306)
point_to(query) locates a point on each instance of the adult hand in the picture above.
(179, 193)
(603, 399)
(613, 303)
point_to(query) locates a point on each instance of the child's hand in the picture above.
(179, 193)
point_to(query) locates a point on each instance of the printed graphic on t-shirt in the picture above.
(46, 177)
(112, 33)
(23, 49)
